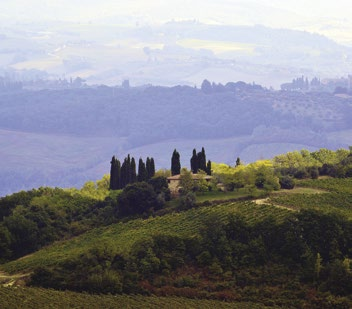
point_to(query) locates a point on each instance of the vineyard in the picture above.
(33, 298)
(122, 236)
(336, 198)
(228, 254)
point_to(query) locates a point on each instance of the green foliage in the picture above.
(142, 171)
(335, 196)
(265, 179)
(137, 198)
(175, 163)
(33, 298)
(186, 182)
(124, 235)
(255, 251)
(187, 201)
(47, 214)
(305, 164)
(287, 182)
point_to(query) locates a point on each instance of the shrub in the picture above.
(287, 182)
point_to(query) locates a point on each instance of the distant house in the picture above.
(174, 181)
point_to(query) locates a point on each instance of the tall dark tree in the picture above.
(123, 176)
(128, 169)
(118, 174)
(112, 174)
(150, 168)
(175, 163)
(194, 162)
(133, 174)
(115, 174)
(142, 171)
(208, 171)
(238, 161)
(202, 161)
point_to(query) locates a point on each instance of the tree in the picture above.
(126, 172)
(142, 171)
(238, 162)
(208, 171)
(194, 162)
(150, 166)
(115, 174)
(198, 161)
(202, 165)
(186, 181)
(136, 198)
(133, 174)
(206, 87)
(175, 163)
(287, 182)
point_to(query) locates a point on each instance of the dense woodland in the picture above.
(182, 111)
(210, 242)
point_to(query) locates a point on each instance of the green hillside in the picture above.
(122, 236)
(271, 233)
(34, 298)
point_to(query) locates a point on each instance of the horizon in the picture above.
(326, 18)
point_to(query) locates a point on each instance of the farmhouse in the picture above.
(174, 181)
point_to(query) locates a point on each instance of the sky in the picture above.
(331, 18)
(74, 10)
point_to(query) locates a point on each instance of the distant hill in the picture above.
(65, 137)
(107, 52)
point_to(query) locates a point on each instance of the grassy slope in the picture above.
(33, 298)
(326, 195)
(124, 235)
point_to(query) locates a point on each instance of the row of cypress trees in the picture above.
(198, 162)
(123, 174)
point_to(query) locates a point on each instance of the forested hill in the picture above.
(65, 137)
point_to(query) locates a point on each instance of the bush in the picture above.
(137, 198)
(187, 201)
(287, 182)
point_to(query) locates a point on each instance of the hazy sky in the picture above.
(332, 18)
(158, 9)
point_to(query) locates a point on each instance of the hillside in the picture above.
(38, 298)
(48, 137)
(248, 253)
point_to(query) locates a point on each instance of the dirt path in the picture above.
(268, 202)
(12, 280)
(300, 190)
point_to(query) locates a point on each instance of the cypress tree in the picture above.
(194, 162)
(133, 174)
(202, 161)
(152, 168)
(175, 163)
(148, 168)
(208, 171)
(123, 177)
(128, 170)
(112, 174)
(142, 171)
(115, 174)
(118, 174)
